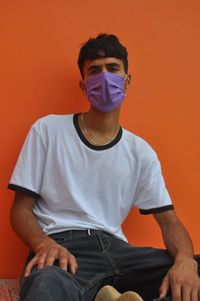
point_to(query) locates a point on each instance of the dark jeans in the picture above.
(102, 260)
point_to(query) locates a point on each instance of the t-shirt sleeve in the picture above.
(152, 195)
(28, 172)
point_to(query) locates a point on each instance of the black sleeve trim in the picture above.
(24, 190)
(157, 210)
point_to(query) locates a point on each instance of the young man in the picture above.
(76, 180)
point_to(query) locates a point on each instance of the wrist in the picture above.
(180, 257)
(44, 242)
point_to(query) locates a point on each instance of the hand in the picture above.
(183, 280)
(46, 254)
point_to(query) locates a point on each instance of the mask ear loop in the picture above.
(82, 84)
(85, 88)
(125, 78)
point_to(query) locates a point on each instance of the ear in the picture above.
(82, 85)
(127, 82)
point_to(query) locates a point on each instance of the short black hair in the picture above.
(103, 45)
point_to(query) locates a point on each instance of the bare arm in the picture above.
(174, 234)
(24, 222)
(183, 276)
(27, 228)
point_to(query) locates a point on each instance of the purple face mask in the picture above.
(105, 91)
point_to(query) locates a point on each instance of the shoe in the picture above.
(109, 293)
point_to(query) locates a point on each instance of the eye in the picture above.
(113, 69)
(94, 71)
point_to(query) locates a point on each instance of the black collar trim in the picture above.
(86, 142)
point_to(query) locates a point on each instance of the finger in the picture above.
(63, 260)
(41, 261)
(73, 266)
(164, 287)
(176, 291)
(194, 295)
(185, 294)
(51, 257)
(30, 265)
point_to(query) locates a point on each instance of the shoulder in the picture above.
(140, 148)
(52, 123)
(51, 128)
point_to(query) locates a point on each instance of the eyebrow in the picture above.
(93, 67)
(113, 65)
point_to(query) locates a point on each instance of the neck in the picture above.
(100, 127)
(102, 122)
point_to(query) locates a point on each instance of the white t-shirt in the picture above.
(77, 185)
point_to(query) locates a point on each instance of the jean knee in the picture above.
(48, 283)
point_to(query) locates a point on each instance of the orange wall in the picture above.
(39, 75)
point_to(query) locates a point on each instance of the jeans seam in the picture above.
(114, 267)
(94, 282)
(106, 253)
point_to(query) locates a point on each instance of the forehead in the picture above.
(102, 62)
